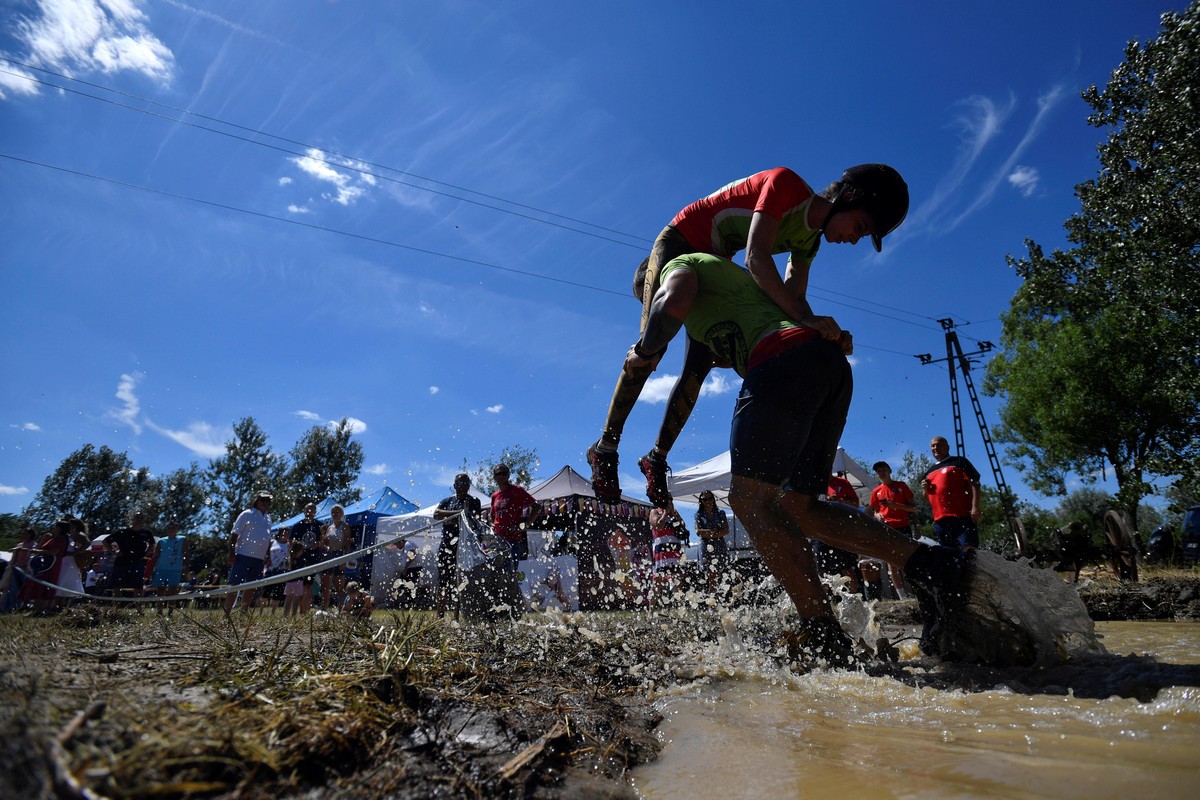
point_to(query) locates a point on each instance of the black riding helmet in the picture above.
(879, 190)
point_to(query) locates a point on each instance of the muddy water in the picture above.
(839, 734)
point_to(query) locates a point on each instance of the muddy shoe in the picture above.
(655, 470)
(605, 481)
(820, 642)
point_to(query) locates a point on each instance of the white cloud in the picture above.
(434, 390)
(378, 469)
(311, 416)
(496, 409)
(1024, 180)
(27, 426)
(13, 490)
(719, 383)
(320, 165)
(285, 181)
(295, 209)
(355, 425)
(128, 414)
(199, 437)
(658, 389)
(92, 36)
(22, 82)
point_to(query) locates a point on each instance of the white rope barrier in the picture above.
(221, 591)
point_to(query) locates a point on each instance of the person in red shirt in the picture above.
(892, 502)
(952, 487)
(513, 510)
(841, 490)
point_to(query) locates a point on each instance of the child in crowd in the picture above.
(357, 603)
(668, 557)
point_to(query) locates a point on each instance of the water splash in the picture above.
(1016, 614)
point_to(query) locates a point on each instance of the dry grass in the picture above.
(201, 705)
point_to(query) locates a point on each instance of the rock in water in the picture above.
(1015, 614)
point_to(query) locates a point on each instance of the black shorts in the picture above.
(833, 561)
(789, 417)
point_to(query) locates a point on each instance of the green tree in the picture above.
(326, 462)
(181, 497)
(1101, 346)
(248, 466)
(98, 485)
(522, 464)
(10, 530)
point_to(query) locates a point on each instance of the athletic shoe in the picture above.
(605, 481)
(821, 642)
(655, 469)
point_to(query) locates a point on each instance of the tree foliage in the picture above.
(522, 464)
(248, 466)
(1101, 347)
(326, 462)
(98, 485)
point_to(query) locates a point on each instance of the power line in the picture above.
(340, 164)
(263, 215)
(350, 234)
(642, 241)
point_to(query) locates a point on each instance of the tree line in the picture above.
(1099, 369)
(104, 487)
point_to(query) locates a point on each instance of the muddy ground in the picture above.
(196, 705)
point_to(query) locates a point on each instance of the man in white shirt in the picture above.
(249, 544)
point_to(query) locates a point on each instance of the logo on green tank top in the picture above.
(728, 343)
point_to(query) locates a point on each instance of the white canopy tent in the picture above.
(714, 475)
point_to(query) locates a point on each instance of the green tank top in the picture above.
(731, 313)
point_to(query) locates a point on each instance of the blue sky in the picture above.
(424, 216)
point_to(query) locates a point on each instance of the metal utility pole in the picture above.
(956, 356)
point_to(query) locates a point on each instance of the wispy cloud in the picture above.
(131, 409)
(13, 490)
(434, 390)
(311, 416)
(355, 425)
(496, 409)
(378, 469)
(27, 426)
(958, 195)
(199, 437)
(225, 23)
(1045, 104)
(83, 36)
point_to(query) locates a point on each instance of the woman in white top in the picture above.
(71, 576)
(337, 541)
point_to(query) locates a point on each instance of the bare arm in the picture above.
(790, 294)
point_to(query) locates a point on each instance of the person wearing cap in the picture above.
(892, 503)
(787, 422)
(249, 546)
(771, 212)
(449, 511)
